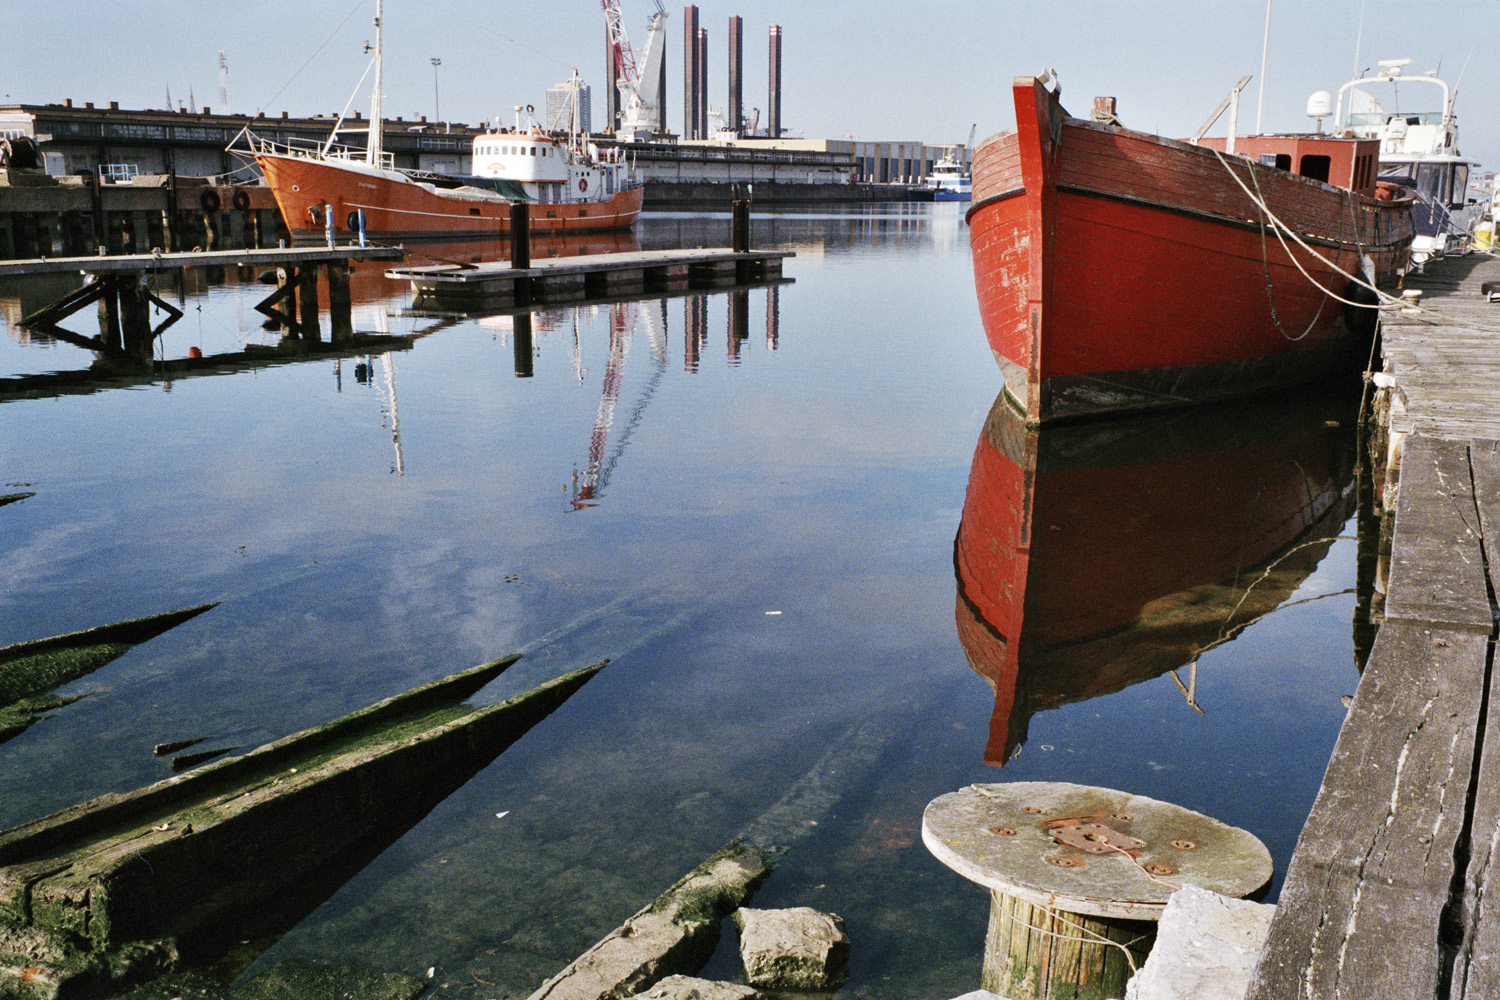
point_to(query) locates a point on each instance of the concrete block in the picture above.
(689, 988)
(797, 948)
(1206, 948)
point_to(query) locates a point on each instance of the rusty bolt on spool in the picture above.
(1034, 810)
(1004, 831)
(1160, 869)
(1184, 845)
(1066, 861)
(1122, 817)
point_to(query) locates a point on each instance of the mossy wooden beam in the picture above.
(227, 851)
(675, 934)
(34, 667)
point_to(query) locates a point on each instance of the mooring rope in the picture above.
(1387, 302)
(1101, 939)
(1280, 227)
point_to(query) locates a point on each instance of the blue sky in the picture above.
(873, 70)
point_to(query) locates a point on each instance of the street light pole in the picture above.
(437, 114)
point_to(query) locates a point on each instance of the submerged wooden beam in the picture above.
(675, 934)
(28, 670)
(246, 846)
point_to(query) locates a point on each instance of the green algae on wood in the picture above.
(40, 665)
(247, 845)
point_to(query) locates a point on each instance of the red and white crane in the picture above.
(639, 86)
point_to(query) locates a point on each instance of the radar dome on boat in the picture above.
(1320, 105)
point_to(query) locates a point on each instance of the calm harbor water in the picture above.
(751, 504)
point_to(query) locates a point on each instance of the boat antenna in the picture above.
(1359, 39)
(338, 122)
(1265, 46)
(376, 148)
(1454, 99)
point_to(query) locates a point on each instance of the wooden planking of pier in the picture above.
(567, 278)
(1387, 893)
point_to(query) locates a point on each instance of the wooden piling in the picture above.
(340, 304)
(740, 228)
(109, 316)
(521, 336)
(135, 316)
(520, 236)
(307, 302)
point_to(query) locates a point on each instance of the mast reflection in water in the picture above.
(1093, 557)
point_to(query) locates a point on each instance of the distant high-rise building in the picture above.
(561, 99)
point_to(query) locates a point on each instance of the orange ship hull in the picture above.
(310, 191)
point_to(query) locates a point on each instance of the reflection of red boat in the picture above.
(1090, 558)
(1121, 271)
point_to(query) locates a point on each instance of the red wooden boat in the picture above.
(1095, 556)
(566, 184)
(566, 190)
(1120, 271)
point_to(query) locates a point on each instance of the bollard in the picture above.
(1078, 877)
(739, 235)
(328, 224)
(359, 215)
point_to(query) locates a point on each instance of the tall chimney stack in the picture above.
(773, 111)
(734, 112)
(690, 72)
(703, 83)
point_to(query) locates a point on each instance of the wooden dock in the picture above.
(1387, 893)
(568, 279)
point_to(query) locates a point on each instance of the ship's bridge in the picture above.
(520, 156)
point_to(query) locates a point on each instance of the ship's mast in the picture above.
(376, 148)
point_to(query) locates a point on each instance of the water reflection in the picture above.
(1094, 557)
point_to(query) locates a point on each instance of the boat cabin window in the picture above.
(1314, 167)
(1460, 189)
(1281, 161)
(1435, 180)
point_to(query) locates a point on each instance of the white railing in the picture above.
(312, 150)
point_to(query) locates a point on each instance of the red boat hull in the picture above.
(1119, 271)
(397, 208)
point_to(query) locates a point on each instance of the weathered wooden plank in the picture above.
(1437, 567)
(1476, 967)
(1484, 466)
(1359, 915)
